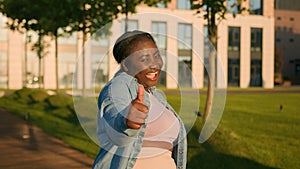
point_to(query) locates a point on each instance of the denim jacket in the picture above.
(120, 145)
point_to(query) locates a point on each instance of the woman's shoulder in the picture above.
(120, 83)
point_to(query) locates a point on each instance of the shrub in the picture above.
(22, 95)
(38, 96)
(59, 101)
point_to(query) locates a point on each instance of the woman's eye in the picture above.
(144, 59)
(157, 57)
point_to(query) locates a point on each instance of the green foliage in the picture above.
(38, 96)
(23, 95)
(90, 16)
(59, 101)
(253, 132)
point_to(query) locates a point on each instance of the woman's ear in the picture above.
(123, 66)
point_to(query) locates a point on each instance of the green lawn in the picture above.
(253, 132)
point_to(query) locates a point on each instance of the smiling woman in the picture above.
(137, 128)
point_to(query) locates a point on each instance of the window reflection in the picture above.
(185, 55)
(159, 32)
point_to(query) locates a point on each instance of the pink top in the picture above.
(162, 124)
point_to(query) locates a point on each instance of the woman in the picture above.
(137, 128)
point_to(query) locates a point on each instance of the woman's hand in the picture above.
(138, 111)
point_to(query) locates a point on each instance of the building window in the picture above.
(233, 6)
(68, 39)
(161, 5)
(291, 18)
(234, 56)
(3, 70)
(159, 32)
(183, 4)
(256, 57)
(256, 7)
(99, 58)
(297, 69)
(3, 29)
(99, 69)
(256, 40)
(32, 72)
(3, 34)
(185, 55)
(67, 68)
(278, 18)
(100, 39)
(206, 52)
(132, 25)
(291, 40)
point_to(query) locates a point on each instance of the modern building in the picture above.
(245, 49)
(287, 38)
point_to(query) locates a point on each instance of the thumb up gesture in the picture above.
(138, 111)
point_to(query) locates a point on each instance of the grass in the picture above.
(253, 132)
(59, 121)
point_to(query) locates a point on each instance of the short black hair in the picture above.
(125, 42)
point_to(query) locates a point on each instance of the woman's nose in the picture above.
(155, 64)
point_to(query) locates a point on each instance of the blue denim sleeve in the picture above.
(114, 103)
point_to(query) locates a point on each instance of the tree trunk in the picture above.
(40, 60)
(212, 34)
(126, 15)
(83, 63)
(56, 64)
(25, 60)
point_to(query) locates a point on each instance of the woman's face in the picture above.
(144, 63)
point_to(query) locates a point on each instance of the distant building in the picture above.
(245, 49)
(287, 29)
(291, 5)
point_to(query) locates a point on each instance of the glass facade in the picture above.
(159, 32)
(297, 67)
(234, 56)
(66, 69)
(183, 4)
(99, 69)
(256, 57)
(67, 39)
(32, 74)
(161, 5)
(99, 60)
(3, 70)
(132, 25)
(3, 34)
(185, 55)
(232, 6)
(3, 30)
(256, 7)
(206, 54)
(3, 54)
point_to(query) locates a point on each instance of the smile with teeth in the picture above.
(152, 75)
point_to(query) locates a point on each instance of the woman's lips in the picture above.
(152, 75)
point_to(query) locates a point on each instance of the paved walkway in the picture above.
(23, 146)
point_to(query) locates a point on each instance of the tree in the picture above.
(45, 18)
(57, 17)
(88, 17)
(23, 17)
(214, 11)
